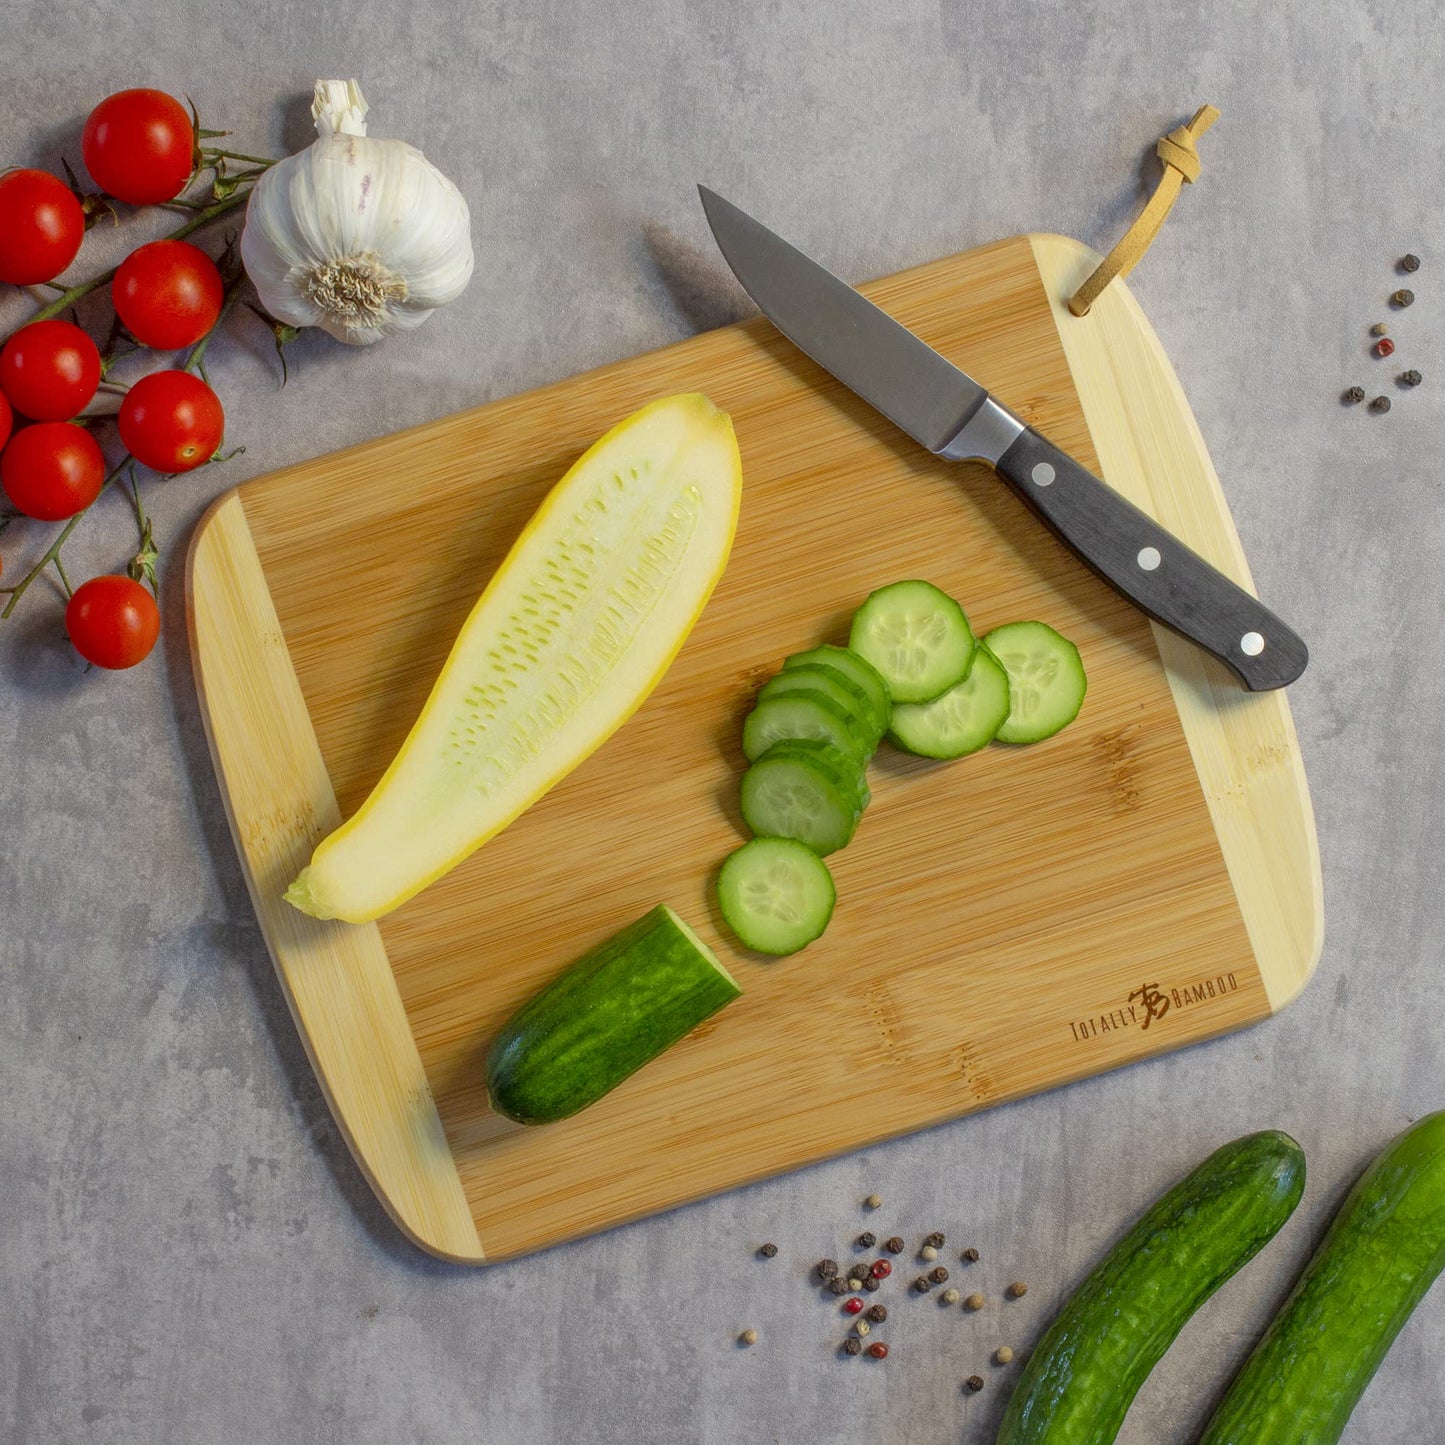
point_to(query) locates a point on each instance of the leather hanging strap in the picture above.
(1181, 164)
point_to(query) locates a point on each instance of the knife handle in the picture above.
(1152, 568)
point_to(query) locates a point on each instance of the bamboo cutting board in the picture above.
(1005, 923)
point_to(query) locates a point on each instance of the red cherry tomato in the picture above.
(112, 621)
(52, 470)
(138, 146)
(171, 421)
(41, 225)
(168, 294)
(7, 420)
(49, 370)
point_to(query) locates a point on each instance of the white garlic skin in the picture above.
(359, 236)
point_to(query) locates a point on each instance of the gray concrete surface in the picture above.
(187, 1254)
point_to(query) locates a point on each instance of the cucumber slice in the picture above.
(844, 769)
(819, 677)
(1046, 681)
(963, 720)
(917, 637)
(805, 714)
(776, 895)
(856, 669)
(788, 794)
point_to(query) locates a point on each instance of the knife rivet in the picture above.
(1251, 644)
(1043, 474)
(1148, 558)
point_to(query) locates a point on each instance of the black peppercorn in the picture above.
(894, 1245)
(854, 1346)
(827, 1269)
(975, 1383)
(938, 1275)
(878, 1313)
(768, 1250)
(1403, 297)
(1410, 378)
(837, 1285)
(1380, 403)
(935, 1239)
(1354, 396)
(971, 1255)
(871, 1282)
(1409, 262)
(923, 1284)
(866, 1240)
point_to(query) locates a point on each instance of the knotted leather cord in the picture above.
(1181, 164)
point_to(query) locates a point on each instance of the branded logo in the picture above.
(1151, 1002)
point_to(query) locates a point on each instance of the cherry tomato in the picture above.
(52, 470)
(41, 225)
(138, 146)
(49, 370)
(171, 421)
(112, 621)
(168, 294)
(7, 420)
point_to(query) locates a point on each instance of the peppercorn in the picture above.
(853, 1306)
(1379, 329)
(950, 1296)
(894, 1245)
(827, 1269)
(863, 1327)
(852, 1345)
(1403, 297)
(975, 1302)
(878, 1313)
(866, 1240)
(881, 1269)
(748, 1337)
(938, 1275)
(872, 1283)
(837, 1286)
(1409, 262)
(1354, 395)
(923, 1284)
(928, 1252)
(970, 1255)
(854, 1283)
(1018, 1289)
(1380, 403)
(878, 1350)
(975, 1383)
(1003, 1355)
(1410, 378)
(935, 1239)
(1384, 347)
(768, 1250)
(873, 1201)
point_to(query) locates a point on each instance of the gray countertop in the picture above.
(187, 1253)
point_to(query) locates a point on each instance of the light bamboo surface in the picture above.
(995, 915)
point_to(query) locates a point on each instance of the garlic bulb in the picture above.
(358, 236)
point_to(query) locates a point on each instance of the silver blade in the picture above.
(844, 332)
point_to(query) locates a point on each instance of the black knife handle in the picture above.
(1152, 568)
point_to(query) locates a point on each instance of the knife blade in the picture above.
(945, 410)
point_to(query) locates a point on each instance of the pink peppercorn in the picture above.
(1384, 346)
(852, 1306)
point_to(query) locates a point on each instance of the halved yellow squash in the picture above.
(576, 628)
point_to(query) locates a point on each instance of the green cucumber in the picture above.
(776, 894)
(789, 794)
(820, 677)
(806, 714)
(1380, 1255)
(619, 1006)
(963, 720)
(1046, 681)
(844, 769)
(1085, 1372)
(856, 668)
(917, 638)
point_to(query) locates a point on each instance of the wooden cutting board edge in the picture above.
(336, 978)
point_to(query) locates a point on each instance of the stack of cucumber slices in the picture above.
(912, 670)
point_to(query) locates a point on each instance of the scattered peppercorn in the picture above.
(854, 1283)
(1018, 1289)
(827, 1268)
(1409, 262)
(1380, 403)
(878, 1313)
(837, 1286)
(923, 1284)
(1379, 329)
(1003, 1355)
(894, 1245)
(939, 1275)
(881, 1269)
(872, 1283)
(928, 1252)
(936, 1239)
(874, 1201)
(768, 1250)
(853, 1306)
(970, 1255)
(852, 1345)
(950, 1296)
(863, 1327)
(1403, 297)
(1354, 395)
(748, 1337)
(866, 1240)
(878, 1350)
(1383, 347)
(975, 1302)
(975, 1383)
(1410, 378)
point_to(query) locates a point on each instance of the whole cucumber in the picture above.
(1088, 1367)
(1381, 1254)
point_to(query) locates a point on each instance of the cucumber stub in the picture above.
(965, 719)
(1046, 681)
(788, 793)
(917, 637)
(776, 894)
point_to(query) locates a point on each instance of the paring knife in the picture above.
(948, 412)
